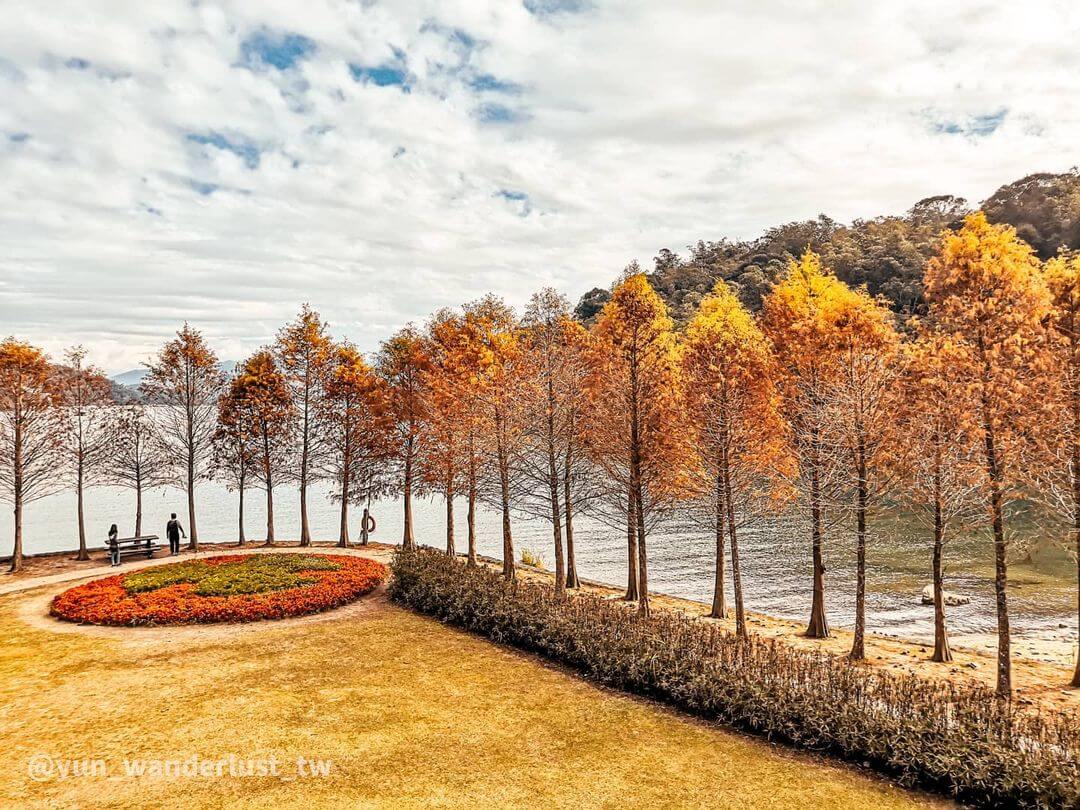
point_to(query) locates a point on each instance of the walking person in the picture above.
(173, 530)
(114, 547)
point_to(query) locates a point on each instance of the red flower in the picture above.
(106, 601)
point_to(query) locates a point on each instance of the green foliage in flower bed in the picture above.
(258, 573)
(961, 739)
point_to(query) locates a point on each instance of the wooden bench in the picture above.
(144, 545)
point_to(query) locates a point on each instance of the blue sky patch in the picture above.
(205, 189)
(485, 82)
(548, 8)
(241, 147)
(77, 63)
(18, 137)
(497, 114)
(382, 75)
(280, 51)
(974, 126)
(513, 196)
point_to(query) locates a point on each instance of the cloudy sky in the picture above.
(223, 162)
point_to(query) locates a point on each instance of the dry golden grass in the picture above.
(409, 712)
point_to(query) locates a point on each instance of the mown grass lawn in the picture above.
(407, 711)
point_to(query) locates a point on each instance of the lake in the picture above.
(776, 560)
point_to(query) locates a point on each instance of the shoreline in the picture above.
(1041, 669)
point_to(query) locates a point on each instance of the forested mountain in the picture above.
(887, 254)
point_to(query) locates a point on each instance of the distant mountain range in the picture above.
(126, 384)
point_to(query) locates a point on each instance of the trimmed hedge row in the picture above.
(958, 739)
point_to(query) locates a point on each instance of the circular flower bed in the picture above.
(232, 588)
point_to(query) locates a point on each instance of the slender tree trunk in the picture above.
(269, 511)
(305, 528)
(193, 531)
(408, 542)
(942, 652)
(736, 571)
(571, 564)
(17, 493)
(138, 508)
(819, 623)
(997, 522)
(719, 606)
(556, 513)
(509, 564)
(858, 647)
(240, 514)
(471, 517)
(451, 550)
(643, 565)
(631, 548)
(343, 530)
(1075, 471)
(83, 553)
(346, 469)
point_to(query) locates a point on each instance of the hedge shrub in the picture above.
(960, 739)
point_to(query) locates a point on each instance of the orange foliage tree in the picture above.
(402, 363)
(987, 295)
(85, 400)
(445, 462)
(263, 390)
(635, 427)
(934, 464)
(863, 418)
(735, 425)
(356, 430)
(554, 370)
(1059, 461)
(233, 448)
(185, 380)
(801, 316)
(303, 349)
(496, 338)
(30, 431)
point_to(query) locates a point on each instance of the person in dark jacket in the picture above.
(114, 548)
(173, 530)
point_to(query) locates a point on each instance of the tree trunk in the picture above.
(305, 530)
(858, 647)
(240, 515)
(407, 540)
(305, 450)
(1075, 470)
(138, 509)
(16, 551)
(631, 549)
(942, 652)
(83, 553)
(719, 607)
(819, 624)
(471, 517)
(269, 513)
(509, 567)
(343, 528)
(17, 496)
(571, 564)
(451, 550)
(997, 522)
(556, 515)
(643, 567)
(736, 571)
(193, 531)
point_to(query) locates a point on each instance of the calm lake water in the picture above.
(776, 561)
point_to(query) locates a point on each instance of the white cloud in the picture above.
(633, 126)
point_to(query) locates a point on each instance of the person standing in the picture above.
(114, 547)
(173, 530)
